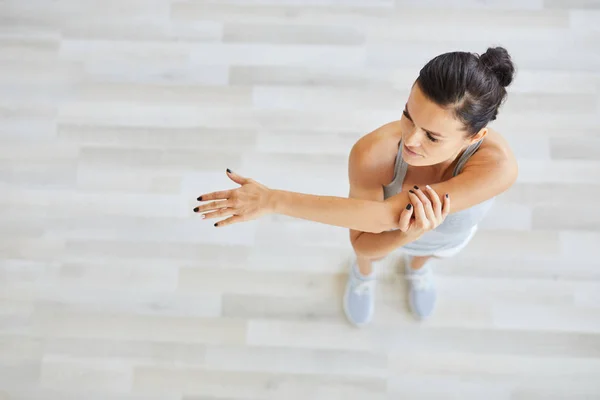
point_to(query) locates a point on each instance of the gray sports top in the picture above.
(457, 227)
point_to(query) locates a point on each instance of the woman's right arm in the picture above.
(359, 213)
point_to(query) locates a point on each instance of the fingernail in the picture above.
(200, 198)
(228, 170)
(411, 191)
(416, 187)
(216, 223)
(202, 216)
(409, 206)
(196, 209)
(447, 195)
(428, 187)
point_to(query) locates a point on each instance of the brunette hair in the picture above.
(472, 86)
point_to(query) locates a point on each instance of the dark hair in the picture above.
(472, 86)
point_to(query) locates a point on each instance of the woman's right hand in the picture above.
(248, 202)
(424, 212)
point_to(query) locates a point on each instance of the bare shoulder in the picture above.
(495, 144)
(494, 148)
(372, 157)
(495, 155)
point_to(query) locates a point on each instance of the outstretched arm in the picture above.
(253, 200)
(364, 210)
(357, 214)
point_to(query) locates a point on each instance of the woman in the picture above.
(403, 177)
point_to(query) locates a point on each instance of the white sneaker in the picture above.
(359, 297)
(422, 294)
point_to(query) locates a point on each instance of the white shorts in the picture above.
(455, 250)
(447, 252)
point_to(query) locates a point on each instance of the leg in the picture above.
(418, 262)
(365, 264)
(422, 294)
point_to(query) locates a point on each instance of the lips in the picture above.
(409, 151)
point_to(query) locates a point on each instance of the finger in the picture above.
(420, 217)
(436, 203)
(236, 178)
(446, 208)
(222, 195)
(213, 205)
(426, 203)
(223, 212)
(231, 220)
(405, 217)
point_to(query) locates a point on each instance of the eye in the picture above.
(431, 138)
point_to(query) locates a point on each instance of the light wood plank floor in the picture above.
(116, 114)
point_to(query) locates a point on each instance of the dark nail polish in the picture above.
(416, 187)
(196, 209)
(409, 206)
(200, 198)
(228, 170)
(447, 195)
(216, 223)
(411, 191)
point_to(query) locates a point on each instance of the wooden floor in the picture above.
(116, 114)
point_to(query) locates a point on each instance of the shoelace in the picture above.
(365, 287)
(422, 281)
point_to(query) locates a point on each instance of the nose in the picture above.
(412, 139)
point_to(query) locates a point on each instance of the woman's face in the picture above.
(430, 134)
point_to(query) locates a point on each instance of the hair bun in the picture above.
(499, 62)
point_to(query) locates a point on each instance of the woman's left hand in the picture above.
(246, 203)
(428, 210)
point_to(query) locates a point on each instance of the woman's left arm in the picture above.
(489, 172)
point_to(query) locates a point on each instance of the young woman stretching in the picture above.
(421, 183)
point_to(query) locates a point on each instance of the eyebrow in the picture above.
(426, 130)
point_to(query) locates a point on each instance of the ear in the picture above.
(478, 136)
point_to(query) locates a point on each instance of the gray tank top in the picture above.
(457, 227)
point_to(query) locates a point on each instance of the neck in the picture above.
(445, 168)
